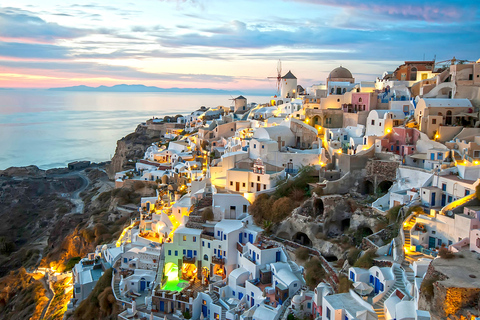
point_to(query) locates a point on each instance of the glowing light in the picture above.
(475, 162)
(389, 130)
(339, 151)
(322, 164)
(306, 120)
(437, 136)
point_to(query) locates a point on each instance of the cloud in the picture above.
(20, 24)
(442, 10)
(32, 50)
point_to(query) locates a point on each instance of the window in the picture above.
(218, 233)
(194, 239)
(184, 238)
(373, 123)
(254, 146)
(176, 253)
(233, 293)
(440, 156)
(203, 243)
(169, 252)
(215, 251)
(263, 146)
(245, 207)
(478, 242)
(328, 313)
(195, 253)
(125, 260)
(252, 184)
(467, 192)
(294, 285)
(231, 183)
(243, 185)
(434, 121)
(224, 237)
(258, 178)
(209, 245)
(444, 187)
(449, 199)
(184, 252)
(205, 257)
(264, 187)
(379, 124)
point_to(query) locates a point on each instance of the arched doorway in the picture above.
(384, 186)
(319, 207)
(448, 118)
(302, 238)
(368, 187)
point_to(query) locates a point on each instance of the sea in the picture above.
(52, 128)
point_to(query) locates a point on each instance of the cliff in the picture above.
(451, 287)
(131, 148)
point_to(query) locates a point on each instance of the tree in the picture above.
(207, 214)
(302, 253)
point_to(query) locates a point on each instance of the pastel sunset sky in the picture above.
(224, 44)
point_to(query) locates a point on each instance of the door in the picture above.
(162, 306)
(432, 203)
(258, 186)
(377, 285)
(240, 237)
(237, 186)
(143, 284)
(253, 302)
(189, 254)
(250, 238)
(277, 256)
(431, 242)
(204, 311)
(444, 199)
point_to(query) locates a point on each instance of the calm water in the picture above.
(50, 129)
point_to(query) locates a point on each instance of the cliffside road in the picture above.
(75, 196)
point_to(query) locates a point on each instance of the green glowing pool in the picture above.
(173, 282)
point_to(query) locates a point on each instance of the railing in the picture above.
(217, 260)
(189, 260)
(240, 247)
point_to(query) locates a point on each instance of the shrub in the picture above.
(314, 272)
(302, 253)
(297, 194)
(392, 214)
(281, 209)
(318, 191)
(261, 207)
(416, 209)
(352, 256)
(427, 287)
(366, 260)
(344, 284)
(71, 263)
(444, 253)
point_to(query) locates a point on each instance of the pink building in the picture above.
(361, 101)
(400, 141)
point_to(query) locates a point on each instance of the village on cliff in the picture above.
(346, 200)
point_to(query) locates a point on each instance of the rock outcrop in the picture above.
(451, 287)
(132, 147)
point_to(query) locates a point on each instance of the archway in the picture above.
(384, 186)
(363, 231)
(319, 207)
(448, 118)
(330, 258)
(302, 239)
(345, 224)
(368, 187)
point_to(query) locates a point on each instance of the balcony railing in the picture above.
(217, 260)
(189, 260)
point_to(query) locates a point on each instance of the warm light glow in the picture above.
(475, 162)
(339, 151)
(389, 130)
(322, 164)
(437, 136)
(306, 120)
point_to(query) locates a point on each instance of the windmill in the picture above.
(449, 62)
(278, 77)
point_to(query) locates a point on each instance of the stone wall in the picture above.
(378, 171)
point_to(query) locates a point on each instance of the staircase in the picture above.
(379, 306)
(410, 257)
(215, 299)
(116, 287)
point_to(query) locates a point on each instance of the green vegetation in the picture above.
(314, 273)
(71, 263)
(352, 256)
(416, 209)
(392, 214)
(344, 284)
(444, 253)
(287, 196)
(366, 260)
(100, 302)
(426, 287)
(302, 253)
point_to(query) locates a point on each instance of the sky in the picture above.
(225, 44)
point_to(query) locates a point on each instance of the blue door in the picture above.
(444, 200)
(204, 311)
(431, 242)
(277, 256)
(240, 296)
(352, 276)
(189, 254)
(377, 285)
(143, 284)
(240, 237)
(162, 306)
(432, 203)
(253, 302)
(250, 238)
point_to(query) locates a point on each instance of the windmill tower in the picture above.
(278, 78)
(289, 85)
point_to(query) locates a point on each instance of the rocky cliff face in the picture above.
(131, 148)
(451, 287)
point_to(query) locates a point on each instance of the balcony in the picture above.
(217, 260)
(189, 259)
